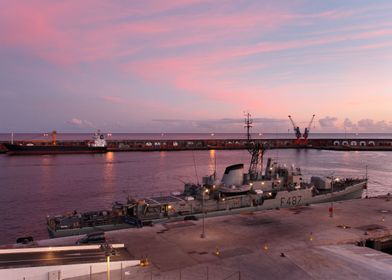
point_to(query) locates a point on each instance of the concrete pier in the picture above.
(299, 243)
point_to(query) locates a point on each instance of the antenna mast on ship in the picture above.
(256, 150)
(248, 125)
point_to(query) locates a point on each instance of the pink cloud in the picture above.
(66, 33)
(159, 6)
(70, 32)
(205, 73)
(335, 14)
(25, 26)
(140, 105)
(198, 61)
(367, 47)
(75, 122)
(114, 99)
(201, 79)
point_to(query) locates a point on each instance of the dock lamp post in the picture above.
(109, 251)
(108, 266)
(331, 207)
(204, 192)
(332, 183)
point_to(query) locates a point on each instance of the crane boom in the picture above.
(292, 121)
(296, 128)
(307, 129)
(311, 121)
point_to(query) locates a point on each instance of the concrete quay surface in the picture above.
(299, 243)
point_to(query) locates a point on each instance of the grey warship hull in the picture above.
(155, 210)
(86, 230)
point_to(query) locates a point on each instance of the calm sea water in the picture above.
(32, 187)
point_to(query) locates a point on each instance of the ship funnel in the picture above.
(234, 175)
(209, 180)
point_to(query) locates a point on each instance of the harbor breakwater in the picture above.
(354, 144)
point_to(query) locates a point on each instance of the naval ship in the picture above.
(97, 145)
(278, 186)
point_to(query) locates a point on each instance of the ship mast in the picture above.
(255, 149)
(248, 125)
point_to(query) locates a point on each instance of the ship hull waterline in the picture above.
(48, 150)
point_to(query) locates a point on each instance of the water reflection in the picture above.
(346, 156)
(46, 163)
(109, 170)
(162, 158)
(212, 162)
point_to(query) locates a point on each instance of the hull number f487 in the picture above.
(290, 201)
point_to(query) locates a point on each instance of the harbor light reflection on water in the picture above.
(109, 171)
(35, 186)
(45, 173)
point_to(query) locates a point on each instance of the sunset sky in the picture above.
(195, 65)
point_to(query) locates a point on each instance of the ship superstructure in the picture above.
(98, 140)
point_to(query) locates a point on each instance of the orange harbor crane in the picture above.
(301, 139)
